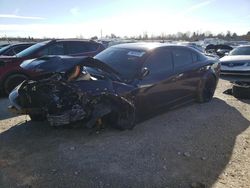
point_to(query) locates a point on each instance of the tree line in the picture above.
(187, 36)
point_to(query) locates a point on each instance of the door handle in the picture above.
(202, 68)
(179, 75)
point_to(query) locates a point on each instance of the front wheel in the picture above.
(122, 120)
(37, 117)
(12, 81)
(207, 90)
(125, 121)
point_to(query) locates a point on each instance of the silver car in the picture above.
(236, 65)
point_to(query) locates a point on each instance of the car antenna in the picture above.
(10, 44)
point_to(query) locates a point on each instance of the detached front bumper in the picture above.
(235, 77)
(236, 73)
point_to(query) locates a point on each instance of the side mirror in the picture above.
(226, 53)
(144, 72)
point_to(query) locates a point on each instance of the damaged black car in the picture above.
(116, 85)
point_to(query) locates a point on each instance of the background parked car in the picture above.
(193, 45)
(236, 65)
(111, 42)
(219, 49)
(13, 49)
(236, 68)
(11, 74)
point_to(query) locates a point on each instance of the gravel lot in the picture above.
(199, 145)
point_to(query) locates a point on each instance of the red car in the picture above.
(11, 74)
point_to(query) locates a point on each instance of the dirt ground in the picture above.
(199, 145)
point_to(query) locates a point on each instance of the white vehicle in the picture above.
(236, 65)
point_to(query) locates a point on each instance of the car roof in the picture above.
(22, 43)
(70, 40)
(146, 46)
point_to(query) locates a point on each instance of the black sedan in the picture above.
(116, 84)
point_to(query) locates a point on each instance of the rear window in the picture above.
(198, 57)
(195, 57)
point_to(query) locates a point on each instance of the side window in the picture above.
(53, 49)
(159, 62)
(77, 47)
(56, 49)
(182, 57)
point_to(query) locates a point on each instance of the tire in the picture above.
(241, 90)
(125, 122)
(37, 117)
(207, 92)
(121, 120)
(12, 81)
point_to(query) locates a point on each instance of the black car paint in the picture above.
(142, 95)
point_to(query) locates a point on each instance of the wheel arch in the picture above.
(6, 76)
(208, 73)
(202, 82)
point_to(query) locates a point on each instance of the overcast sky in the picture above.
(71, 18)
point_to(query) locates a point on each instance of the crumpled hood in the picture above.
(52, 64)
(235, 58)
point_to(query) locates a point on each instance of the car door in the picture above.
(187, 72)
(155, 88)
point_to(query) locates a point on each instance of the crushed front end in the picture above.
(62, 103)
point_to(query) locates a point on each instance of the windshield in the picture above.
(4, 48)
(125, 61)
(241, 51)
(31, 50)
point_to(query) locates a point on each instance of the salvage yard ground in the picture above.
(199, 145)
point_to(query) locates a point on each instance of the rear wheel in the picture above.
(12, 81)
(207, 92)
